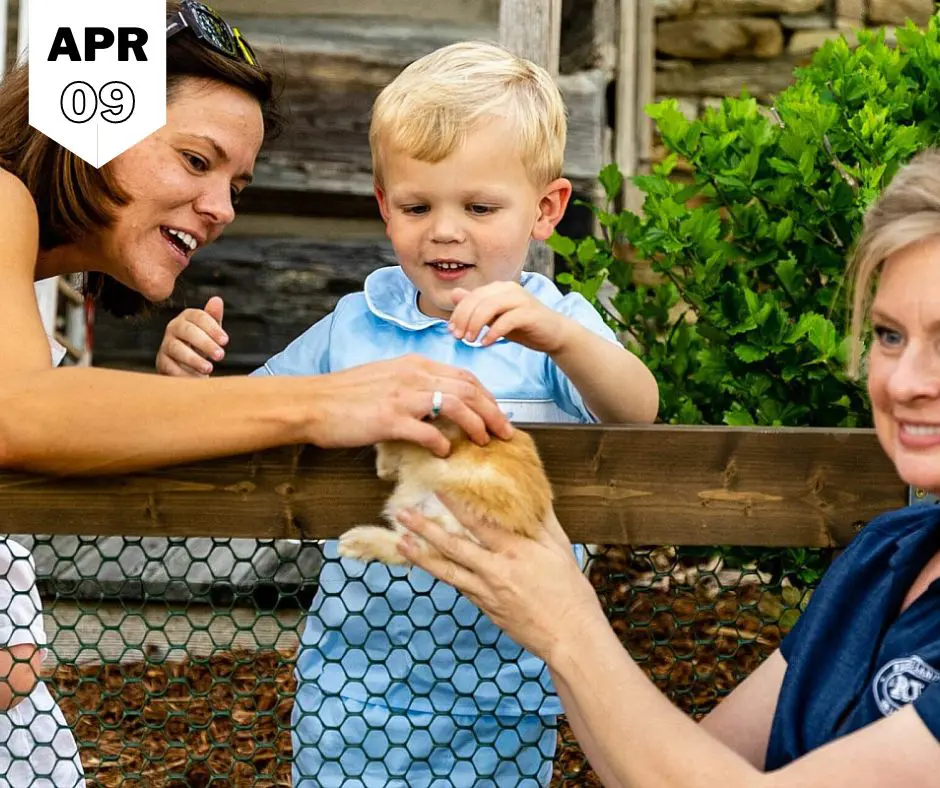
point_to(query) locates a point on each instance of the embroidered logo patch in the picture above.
(901, 681)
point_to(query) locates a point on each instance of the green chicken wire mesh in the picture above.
(172, 660)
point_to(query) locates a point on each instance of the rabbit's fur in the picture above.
(502, 483)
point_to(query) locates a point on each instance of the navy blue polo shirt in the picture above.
(853, 657)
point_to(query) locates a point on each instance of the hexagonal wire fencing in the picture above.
(171, 662)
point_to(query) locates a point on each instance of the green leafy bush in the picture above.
(746, 226)
(747, 322)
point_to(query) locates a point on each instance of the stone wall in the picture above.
(706, 49)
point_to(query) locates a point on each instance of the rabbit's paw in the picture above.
(371, 543)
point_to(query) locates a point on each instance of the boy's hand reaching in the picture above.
(510, 312)
(191, 339)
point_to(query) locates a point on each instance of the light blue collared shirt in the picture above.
(384, 322)
(394, 636)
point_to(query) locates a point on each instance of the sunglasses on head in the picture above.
(210, 28)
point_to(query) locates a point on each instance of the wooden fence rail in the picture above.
(631, 485)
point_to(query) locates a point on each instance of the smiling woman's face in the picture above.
(181, 182)
(904, 362)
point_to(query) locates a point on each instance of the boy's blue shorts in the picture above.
(342, 743)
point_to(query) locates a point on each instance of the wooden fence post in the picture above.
(636, 62)
(532, 29)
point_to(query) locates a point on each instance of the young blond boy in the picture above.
(401, 681)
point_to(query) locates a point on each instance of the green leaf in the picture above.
(750, 353)
(667, 165)
(607, 219)
(701, 227)
(908, 38)
(670, 121)
(587, 250)
(802, 327)
(687, 193)
(738, 418)
(711, 333)
(689, 413)
(783, 230)
(561, 245)
(612, 181)
(783, 167)
(589, 288)
(790, 275)
(822, 334)
(807, 165)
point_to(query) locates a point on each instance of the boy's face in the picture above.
(466, 221)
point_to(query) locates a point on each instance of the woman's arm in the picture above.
(585, 738)
(83, 420)
(643, 741)
(103, 421)
(20, 667)
(535, 591)
(743, 720)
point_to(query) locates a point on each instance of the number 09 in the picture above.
(79, 102)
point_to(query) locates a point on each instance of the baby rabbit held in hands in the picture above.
(502, 483)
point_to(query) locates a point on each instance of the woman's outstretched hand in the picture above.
(391, 400)
(533, 589)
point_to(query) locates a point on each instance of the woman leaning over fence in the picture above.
(852, 698)
(135, 224)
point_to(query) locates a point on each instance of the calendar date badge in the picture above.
(97, 73)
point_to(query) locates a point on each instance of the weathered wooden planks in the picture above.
(334, 68)
(639, 485)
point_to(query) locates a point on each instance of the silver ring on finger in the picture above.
(437, 401)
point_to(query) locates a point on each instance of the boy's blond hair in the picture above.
(427, 110)
(906, 213)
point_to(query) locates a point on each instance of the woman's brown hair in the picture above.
(72, 197)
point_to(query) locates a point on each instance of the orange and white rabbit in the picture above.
(503, 483)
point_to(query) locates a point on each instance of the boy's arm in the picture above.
(614, 384)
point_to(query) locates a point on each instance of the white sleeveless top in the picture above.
(20, 606)
(58, 351)
(37, 748)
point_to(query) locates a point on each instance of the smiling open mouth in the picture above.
(180, 239)
(921, 429)
(449, 266)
